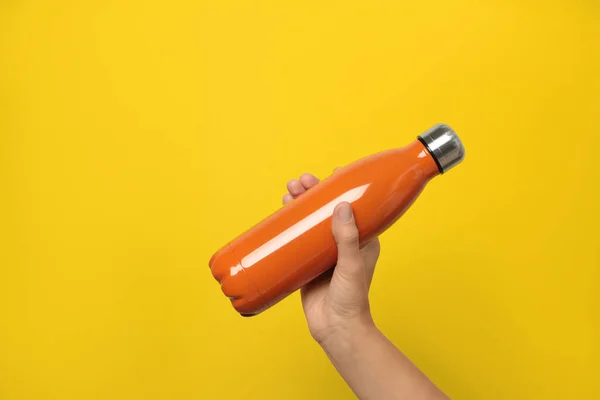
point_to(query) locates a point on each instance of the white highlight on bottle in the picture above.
(302, 226)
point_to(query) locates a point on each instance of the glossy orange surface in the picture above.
(295, 245)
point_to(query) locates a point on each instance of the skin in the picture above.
(338, 314)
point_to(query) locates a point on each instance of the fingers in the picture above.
(308, 180)
(350, 264)
(297, 187)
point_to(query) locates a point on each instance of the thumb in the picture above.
(350, 264)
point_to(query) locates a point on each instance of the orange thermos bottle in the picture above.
(295, 245)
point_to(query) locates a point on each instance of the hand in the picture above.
(337, 310)
(337, 303)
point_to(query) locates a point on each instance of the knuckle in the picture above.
(346, 234)
(350, 236)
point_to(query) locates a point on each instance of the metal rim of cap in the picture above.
(444, 145)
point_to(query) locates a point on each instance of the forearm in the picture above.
(375, 369)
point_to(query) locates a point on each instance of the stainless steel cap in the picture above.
(444, 145)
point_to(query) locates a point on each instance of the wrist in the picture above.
(348, 334)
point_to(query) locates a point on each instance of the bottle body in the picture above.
(295, 244)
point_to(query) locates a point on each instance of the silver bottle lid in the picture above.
(444, 145)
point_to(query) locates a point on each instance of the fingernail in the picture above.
(345, 212)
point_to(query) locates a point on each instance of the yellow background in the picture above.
(136, 137)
